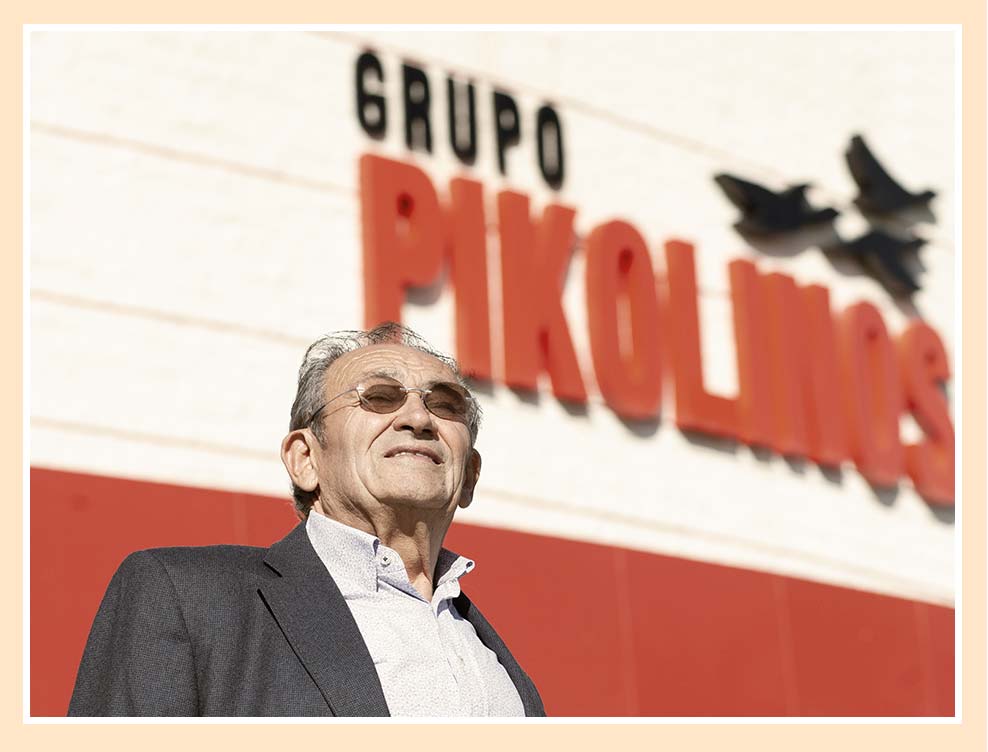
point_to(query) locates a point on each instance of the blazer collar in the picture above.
(317, 622)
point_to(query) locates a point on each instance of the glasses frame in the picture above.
(422, 391)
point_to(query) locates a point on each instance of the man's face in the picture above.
(369, 458)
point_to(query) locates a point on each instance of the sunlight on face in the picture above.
(407, 458)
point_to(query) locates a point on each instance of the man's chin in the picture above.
(418, 498)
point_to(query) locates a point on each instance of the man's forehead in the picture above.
(394, 360)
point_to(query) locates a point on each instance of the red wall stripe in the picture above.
(602, 630)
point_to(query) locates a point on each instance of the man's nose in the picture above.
(414, 416)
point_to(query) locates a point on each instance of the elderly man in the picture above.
(358, 611)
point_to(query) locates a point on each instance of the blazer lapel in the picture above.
(315, 619)
(526, 689)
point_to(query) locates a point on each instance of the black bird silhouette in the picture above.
(881, 254)
(764, 212)
(879, 192)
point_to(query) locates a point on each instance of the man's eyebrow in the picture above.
(457, 382)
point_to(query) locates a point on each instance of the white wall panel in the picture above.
(177, 381)
(125, 226)
(268, 100)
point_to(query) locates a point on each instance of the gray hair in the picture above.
(326, 350)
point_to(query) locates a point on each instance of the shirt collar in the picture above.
(353, 557)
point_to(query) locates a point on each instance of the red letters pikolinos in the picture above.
(828, 387)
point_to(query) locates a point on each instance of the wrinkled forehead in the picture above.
(405, 364)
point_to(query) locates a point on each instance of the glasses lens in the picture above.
(383, 398)
(448, 401)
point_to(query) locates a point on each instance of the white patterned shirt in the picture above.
(428, 657)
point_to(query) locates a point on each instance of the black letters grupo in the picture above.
(506, 132)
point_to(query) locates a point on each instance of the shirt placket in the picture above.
(391, 570)
(473, 696)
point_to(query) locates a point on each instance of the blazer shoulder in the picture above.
(204, 556)
(195, 565)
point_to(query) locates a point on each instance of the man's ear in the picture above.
(297, 456)
(470, 482)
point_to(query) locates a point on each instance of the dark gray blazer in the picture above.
(239, 631)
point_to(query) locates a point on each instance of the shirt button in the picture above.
(385, 560)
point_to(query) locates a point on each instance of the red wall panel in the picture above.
(706, 638)
(601, 630)
(855, 653)
(941, 622)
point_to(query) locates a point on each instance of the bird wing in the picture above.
(747, 196)
(868, 172)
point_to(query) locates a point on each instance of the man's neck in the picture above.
(416, 540)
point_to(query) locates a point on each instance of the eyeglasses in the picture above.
(445, 400)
